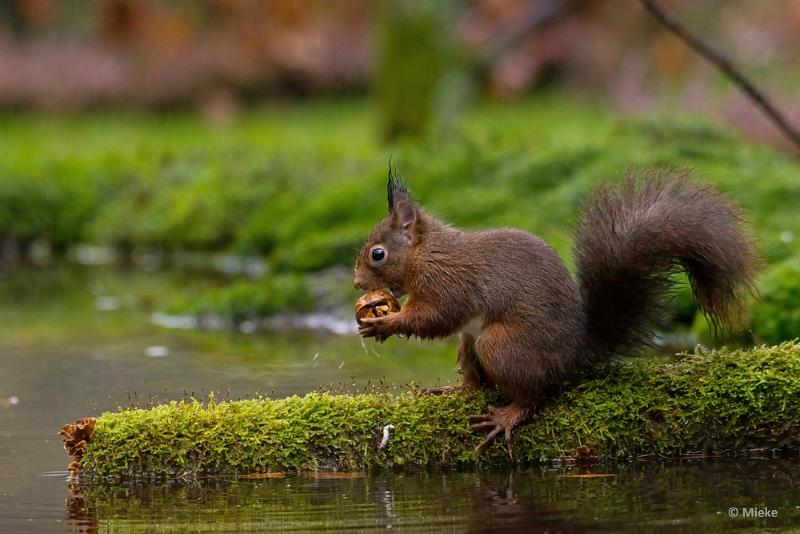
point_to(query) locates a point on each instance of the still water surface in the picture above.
(67, 352)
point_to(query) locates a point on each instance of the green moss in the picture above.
(302, 185)
(731, 400)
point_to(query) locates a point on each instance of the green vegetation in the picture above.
(301, 186)
(246, 299)
(715, 400)
(777, 315)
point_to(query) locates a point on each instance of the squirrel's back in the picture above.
(494, 271)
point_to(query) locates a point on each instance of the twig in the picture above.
(756, 95)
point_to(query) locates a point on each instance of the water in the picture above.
(646, 497)
(74, 344)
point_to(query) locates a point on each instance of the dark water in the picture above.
(73, 345)
(647, 497)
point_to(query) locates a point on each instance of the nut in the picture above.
(376, 304)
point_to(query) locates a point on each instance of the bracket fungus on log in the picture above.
(720, 400)
(76, 438)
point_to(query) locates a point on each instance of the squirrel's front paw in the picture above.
(378, 327)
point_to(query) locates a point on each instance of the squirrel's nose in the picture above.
(357, 282)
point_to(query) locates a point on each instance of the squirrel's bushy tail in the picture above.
(631, 238)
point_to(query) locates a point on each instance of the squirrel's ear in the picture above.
(404, 217)
(402, 208)
(396, 189)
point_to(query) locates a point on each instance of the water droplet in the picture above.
(247, 327)
(157, 351)
(106, 303)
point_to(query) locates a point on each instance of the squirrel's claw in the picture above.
(496, 421)
(495, 430)
(377, 327)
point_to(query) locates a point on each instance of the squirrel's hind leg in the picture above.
(509, 356)
(469, 367)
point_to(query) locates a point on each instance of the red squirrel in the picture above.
(524, 324)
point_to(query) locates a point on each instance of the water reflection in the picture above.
(642, 497)
(80, 514)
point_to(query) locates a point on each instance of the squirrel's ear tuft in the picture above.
(396, 188)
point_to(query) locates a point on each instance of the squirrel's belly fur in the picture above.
(474, 327)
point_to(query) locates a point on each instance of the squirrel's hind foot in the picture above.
(496, 421)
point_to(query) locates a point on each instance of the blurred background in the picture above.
(184, 185)
(248, 140)
(221, 57)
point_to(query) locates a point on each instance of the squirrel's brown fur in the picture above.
(525, 325)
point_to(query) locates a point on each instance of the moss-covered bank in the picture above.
(716, 400)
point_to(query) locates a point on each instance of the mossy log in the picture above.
(713, 401)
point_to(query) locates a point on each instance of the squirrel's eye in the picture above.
(378, 254)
